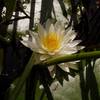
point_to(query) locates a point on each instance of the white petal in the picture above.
(37, 40)
(51, 68)
(68, 65)
(59, 28)
(33, 46)
(70, 36)
(64, 67)
(30, 39)
(24, 43)
(80, 47)
(68, 50)
(41, 31)
(51, 29)
(29, 44)
(44, 57)
(71, 47)
(72, 65)
(48, 23)
(58, 24)
(73, 43)
(52, 71)
(32, 36)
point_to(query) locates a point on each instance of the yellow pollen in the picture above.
(51, 42)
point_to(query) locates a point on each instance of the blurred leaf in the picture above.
(13, 94)
(45, 72)
(46, 9)
(32, 84)
(10, 6)
(40, 93)
(74, 13)
(46, 82)
(1, 59)
(73, 72)
(34, 88)
(91, 82)
(67, 2)
(21, 96)
(63, 8)
(5, 39)
(61, 75)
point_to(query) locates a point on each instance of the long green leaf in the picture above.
(20, 81)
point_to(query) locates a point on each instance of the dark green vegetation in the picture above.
(16, 65)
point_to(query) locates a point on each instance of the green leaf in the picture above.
(44, 81)
(61, 75)
(19, 82)
(32, 84)
(10, 6)
(1, 59)
(73, 72)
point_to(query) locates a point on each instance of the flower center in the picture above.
(51, 42)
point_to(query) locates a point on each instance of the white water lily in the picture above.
(53, 40)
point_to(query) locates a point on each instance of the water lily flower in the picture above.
(53, 40)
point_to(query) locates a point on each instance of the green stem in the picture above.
(73, 57)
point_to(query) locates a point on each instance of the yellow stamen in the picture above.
(51, 42)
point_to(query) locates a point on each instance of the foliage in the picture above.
(18, 68)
